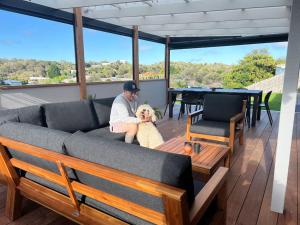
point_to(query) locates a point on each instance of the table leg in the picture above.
(254, 111)
(259, 108)
(170, 97)
(227, 160)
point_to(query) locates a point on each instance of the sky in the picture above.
(27, 37)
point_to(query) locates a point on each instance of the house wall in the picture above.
(151, 91)
(274, 84)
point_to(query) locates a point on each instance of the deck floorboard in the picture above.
(249, 185)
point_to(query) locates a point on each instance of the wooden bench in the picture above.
(176, 210)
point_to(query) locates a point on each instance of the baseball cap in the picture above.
(130, 86)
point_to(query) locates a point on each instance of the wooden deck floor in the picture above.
(249, 183)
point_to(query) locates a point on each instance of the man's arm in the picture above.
(123, 114)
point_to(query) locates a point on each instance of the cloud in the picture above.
(144, 48)
(9, 42)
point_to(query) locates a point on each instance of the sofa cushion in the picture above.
(51, 185)
(208, 127)
(38, 136)
(70, 116)
(221, 107)
(9, 118)
(102, 109)
(171, 169)
(30, 114)
(105, 133)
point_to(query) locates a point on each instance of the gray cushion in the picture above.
(116, 213)
(102, 109)
(30, 114)
(105, 133)
(172, 169)
(215, 128)
(51, 185)
(38, 136)
(198, 185)
(70, 116)
(9, 118)
(221, 107)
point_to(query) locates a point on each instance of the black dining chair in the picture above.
(248, 106)
(174, 99)
(265, 105)
(188, 100)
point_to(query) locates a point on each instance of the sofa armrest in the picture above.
(237, 118)
(196, 113)
(204, 198)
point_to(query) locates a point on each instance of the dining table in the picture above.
(245, 93)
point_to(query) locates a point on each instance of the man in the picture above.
(122, 116)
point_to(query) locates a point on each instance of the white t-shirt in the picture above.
(123, 110)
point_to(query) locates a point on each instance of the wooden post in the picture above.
(167, 66)
(287, 112)
(135, 55)
(79, 52)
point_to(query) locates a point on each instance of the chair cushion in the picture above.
(30, 114)
(172, 169)
(38, 136)
(221, 107)
(105, 133)
(208, 127)
(102, 109)
(70, 116)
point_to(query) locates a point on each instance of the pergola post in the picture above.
(287, 114)
(167, 65)
(79, 52)
(135, 54)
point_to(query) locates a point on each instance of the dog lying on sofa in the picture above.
(148, 135)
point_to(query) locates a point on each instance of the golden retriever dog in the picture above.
(147, 134)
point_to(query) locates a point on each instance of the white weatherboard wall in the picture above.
(151, 91)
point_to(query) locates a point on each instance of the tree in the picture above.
(254, 67)
(53, 71)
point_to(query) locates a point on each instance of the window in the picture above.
(35, 51)
(151, 59)
(108, 57)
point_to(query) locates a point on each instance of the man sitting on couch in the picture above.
(122, 116)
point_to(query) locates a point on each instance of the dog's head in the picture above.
(146, 111)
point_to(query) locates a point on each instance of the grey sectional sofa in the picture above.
(80, 129)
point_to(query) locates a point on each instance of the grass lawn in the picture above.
(275, 101)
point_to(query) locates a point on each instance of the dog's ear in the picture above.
(154, 118)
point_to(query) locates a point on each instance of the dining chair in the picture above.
(188, 100)
(265, 105)
(174, 99)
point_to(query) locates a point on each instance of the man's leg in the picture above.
(131, 130)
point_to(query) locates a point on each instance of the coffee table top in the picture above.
(203, 162)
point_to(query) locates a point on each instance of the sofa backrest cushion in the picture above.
(38, 136)
(102, 109)
(29, 114)
(70, 116)
(221, 107)
(171, 169)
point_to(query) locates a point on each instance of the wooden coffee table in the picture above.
(205, 162)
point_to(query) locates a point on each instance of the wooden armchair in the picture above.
(176, 209)
(223, 118)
